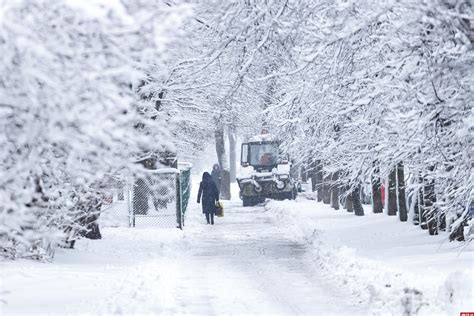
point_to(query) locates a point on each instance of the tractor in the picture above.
(271, 176)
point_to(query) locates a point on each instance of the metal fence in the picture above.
(157, 199)
(185, 184)
(115, 208)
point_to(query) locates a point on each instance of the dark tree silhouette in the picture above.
(377, 205)
(335, 191)
(402, 203)
(358, 209)
(392, 193)
(349, 204)
(429, 198)
(326, 189)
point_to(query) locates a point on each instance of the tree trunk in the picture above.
(402, 203)
(335, 191)
(349, 203)
(442, 222)
(392, 193)
(457, 233)
(429, 198)
(225, 185)
(232, 154)
(88, 221)
(421, 205)
(416, 208)
(220, 147)
(222, 159)
(312, 175)
(358, 209)
(304, 174)
(377, 204)
(315, 173)
(326, 190)
(319, 180)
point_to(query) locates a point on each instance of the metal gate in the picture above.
(159, 198)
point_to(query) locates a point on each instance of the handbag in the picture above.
(219, 209)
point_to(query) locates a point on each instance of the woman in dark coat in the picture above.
(210, 195)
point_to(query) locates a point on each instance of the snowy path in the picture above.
(248, 263)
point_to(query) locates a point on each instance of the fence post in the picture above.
(179, 217)
(131, 213)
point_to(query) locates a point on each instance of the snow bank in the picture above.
(396, 268)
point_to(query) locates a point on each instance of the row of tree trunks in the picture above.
(424, 205)
(396, 193)
(425, 198)
(353, 202)
(329, 190)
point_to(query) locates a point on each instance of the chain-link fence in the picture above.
(115, 209)
(185, 182)
(157, 199)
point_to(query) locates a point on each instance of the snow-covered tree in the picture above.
(379, 85)
(69, 115)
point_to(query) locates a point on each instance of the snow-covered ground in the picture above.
(290, 257)
(395, 267)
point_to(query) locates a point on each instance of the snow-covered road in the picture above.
(248, 263)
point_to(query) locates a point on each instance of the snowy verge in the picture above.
(396, 268)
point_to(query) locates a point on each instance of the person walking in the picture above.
(210, 195)
(217, 176)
